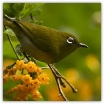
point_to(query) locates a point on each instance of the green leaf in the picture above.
(9, 32)
(7, 9)
(18, 7)
(32, 8)
(21, 10)
(18, 50)
(36, 12)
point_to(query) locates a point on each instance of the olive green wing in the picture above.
(42, 37)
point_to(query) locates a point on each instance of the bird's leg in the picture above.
(57, 81)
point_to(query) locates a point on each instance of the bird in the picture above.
(43, 43)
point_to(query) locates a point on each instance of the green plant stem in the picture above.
(12, 45)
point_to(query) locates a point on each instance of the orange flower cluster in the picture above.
(30, 76)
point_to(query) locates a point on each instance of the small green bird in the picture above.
(44, 43)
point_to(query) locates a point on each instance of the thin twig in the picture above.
(10, 66)
(7, 17)
(26, 56)
(60, 90)
(59, 75)
(12, 45)
(32, 17)
(57, 81)
(72, 87)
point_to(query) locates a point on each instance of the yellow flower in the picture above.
(20, 64)
(35, 83)
(26, 79)
(16, 77)
(43, 78)
(36, 95)
(31, 67)
(31, 84)
(12, 90)
(38, 70)
(12, 71)
(5, 78)
(20, 87)
(29, 81)
(21, 96)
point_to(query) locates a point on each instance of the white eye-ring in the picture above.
(70, 40)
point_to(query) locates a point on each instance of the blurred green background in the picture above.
(83, 67)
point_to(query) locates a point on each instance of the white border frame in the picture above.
(102, 52)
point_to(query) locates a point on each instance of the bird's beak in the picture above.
(83, 45)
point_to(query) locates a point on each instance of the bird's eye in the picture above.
(70, 40)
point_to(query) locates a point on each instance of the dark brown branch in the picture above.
(60, 81)
(72, 87)
(57, 81)
(61, 77)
